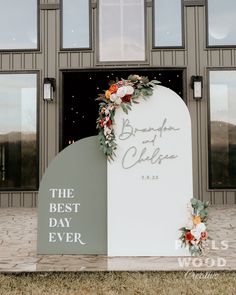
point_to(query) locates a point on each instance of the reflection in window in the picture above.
(18, 23)
(222, 141)
(76, 24)
(168, 23)
(221, 22)
(18, 132)
(121, 30)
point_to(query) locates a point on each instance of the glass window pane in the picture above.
(18, 23)
(76, 24)
(221, 22)
(168, 23)
(121, 30)
(222, 141)
(18, 131)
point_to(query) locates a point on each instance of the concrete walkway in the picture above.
(18, 231)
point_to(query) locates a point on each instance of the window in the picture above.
(221, 22)
(19, 24)
(75, 24)
(18, 132)
(121, 30)
(168, 23)
(222, 127)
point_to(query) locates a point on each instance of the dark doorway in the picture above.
(81, 88)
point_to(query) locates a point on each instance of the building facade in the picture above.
(78, 46)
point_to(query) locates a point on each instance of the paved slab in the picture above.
(18, 231)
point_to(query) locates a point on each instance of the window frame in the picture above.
(182, 29)
(14, 50)
(37, 73)
(208, 46)
(90, 47)
(211, 189)
(123, 62)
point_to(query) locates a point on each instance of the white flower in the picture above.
(107, 130)
(118, 101)
(107, 111)
(125, 90)
(122, 91)
(130, 90)
(115, 98)
(200, 227)
(196, 233)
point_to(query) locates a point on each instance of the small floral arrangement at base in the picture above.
(195, 235)
(120, 94)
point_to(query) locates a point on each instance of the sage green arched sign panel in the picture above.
(72, 204)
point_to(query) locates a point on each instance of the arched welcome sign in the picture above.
(133, 206)
(150, 181)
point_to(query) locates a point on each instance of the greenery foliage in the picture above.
(122, 94)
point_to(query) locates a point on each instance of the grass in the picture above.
(113, 283)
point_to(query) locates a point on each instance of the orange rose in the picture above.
(107, 94)
(196, 219)
(113, 88)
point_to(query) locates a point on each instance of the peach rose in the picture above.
(107, 94)
(196, 219)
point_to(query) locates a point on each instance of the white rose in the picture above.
(122, 91)
(200, 227)
(118, 101)
(129, 90)
(113, 97)
(107, 130)
(196, 233)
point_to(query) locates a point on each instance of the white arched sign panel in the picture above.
(150, 180)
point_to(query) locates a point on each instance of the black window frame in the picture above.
(37, 73)
(182, 29)
(89, 48)
(211, 188)
(2, 50)
(208, 46)
(145, 61)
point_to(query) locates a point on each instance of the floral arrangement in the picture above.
(194, 235)
(122, 94)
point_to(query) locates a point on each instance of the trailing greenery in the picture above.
(122, 94)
